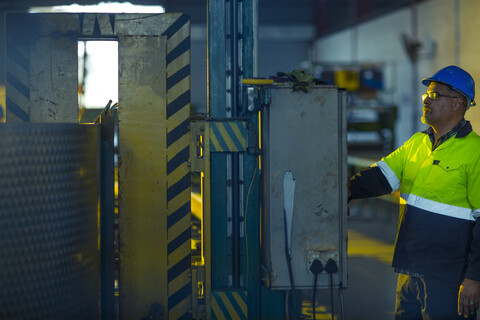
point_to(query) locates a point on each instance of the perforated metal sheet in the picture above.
(49, 254)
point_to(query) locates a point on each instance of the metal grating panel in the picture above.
(49, 257)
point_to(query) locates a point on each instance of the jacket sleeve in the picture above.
(381, 178)
(370, 182)
(473, 187)
(385, 176)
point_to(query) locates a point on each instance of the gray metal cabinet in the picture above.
(305, 133)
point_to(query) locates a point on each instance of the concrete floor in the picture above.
(372, 282)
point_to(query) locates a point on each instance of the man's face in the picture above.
(439, 111)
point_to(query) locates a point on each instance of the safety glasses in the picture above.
(434, 96)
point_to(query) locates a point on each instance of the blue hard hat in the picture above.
(457, 79)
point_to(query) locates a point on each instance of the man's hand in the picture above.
(468, 297)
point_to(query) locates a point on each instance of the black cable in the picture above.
(340, 296)
(290, 272)
(316, 267)
(292, 283)
(331, 268)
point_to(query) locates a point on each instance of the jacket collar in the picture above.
(462, 129)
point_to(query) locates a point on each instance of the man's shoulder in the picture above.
(469, 144)
(473, 137)
(418, 137)
(474, 134)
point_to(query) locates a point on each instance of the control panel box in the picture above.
(305, 134)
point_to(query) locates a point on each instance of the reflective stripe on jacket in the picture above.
(440, 202)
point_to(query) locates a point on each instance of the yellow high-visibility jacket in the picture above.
(438, 232)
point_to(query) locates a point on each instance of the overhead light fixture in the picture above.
(101, 7)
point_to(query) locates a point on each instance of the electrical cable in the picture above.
(331, 268)
(245, 214)
(288, 195)
(340, 296)
(316, 267)
(290, 274)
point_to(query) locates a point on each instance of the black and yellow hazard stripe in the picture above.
(178, 172)
(229, 305)
(228, 136)
(97, 25)
(17, 82)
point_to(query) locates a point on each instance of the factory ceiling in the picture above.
(327, 16)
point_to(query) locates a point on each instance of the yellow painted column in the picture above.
(142, 175)
(154, 171)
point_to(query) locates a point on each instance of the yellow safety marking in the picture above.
(238, 133)
(19, 72)
(103, 23)
(179, 227)
(177, 174)
(241, 303)
(231, 310)
(179, 310)
(3, 103)
(258, 81)
(178, 89)
(178, 37)
(321, 312)
(179, 282)
(214, 141)
(180, 299)
(17, 97)
(216, 309)
(179, 253)
(196, 205)
(226, 136)
(178, 146)
(178, 201)
(360, 245)
(175, 120)
(178, 63)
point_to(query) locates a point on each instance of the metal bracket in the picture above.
(256, 97)
(198, 292)
(199, 145)
(228, 136)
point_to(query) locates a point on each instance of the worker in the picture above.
(437, 172)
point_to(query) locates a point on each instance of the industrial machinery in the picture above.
(318, 164)
(256, 148)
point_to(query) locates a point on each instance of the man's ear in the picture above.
(459, 105)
